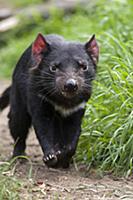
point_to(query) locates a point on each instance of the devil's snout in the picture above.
(71, 85)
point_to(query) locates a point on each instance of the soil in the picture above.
(75, 183)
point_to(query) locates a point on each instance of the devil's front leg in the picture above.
(44, 130)
(43, 123)
(71, 133)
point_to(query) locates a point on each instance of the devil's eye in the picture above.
(53, 68)
(83, 66)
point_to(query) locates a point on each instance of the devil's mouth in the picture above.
(69, 94)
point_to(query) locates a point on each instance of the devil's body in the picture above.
(50, 87)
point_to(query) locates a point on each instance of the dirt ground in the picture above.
(44, 183)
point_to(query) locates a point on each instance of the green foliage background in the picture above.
(107, 137)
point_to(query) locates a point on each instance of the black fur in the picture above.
(4, 99)
(37, 91)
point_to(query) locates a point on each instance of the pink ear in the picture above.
(39, 45)
(93, 49)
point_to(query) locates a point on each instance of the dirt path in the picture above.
(53, 184)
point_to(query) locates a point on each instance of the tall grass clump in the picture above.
(107, 138)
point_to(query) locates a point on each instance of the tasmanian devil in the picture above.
(51, 84)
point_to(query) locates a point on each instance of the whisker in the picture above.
(50, 87)
(89, 79)
(50, 92)
(47, 73)
(43, 87)
(38, 77)
(86, 84)
(44, 81)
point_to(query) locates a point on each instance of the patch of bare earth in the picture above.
(44, 183)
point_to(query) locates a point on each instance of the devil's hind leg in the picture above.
(19, 124)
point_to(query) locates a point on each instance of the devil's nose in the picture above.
(71, 85)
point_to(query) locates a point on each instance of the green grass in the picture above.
(107, 137)
(12, 187)
(9, 188)
(9, 185)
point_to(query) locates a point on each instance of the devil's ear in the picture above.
(38, 47)
(92, 49)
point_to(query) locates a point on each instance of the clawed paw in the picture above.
(58, 152)
(50, 160)
(49, 157)
(57, 159)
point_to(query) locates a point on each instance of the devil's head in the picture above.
(63, 71)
